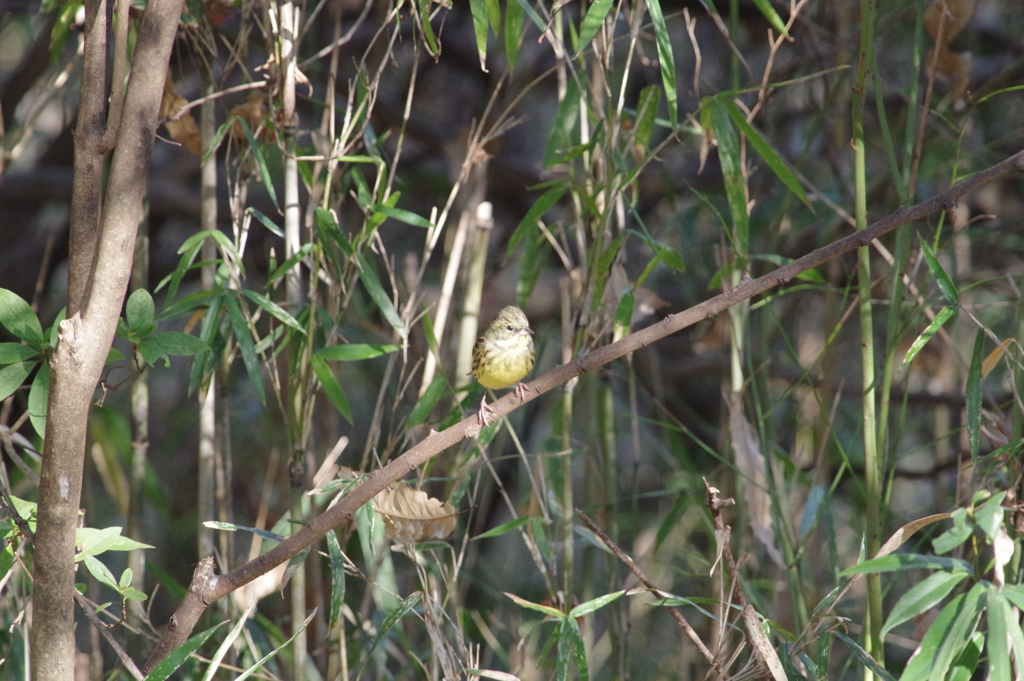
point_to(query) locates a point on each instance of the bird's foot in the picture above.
(520, 392)
(486, 414)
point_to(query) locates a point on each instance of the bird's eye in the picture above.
(509, 327)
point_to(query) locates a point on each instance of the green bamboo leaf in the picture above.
(865, 658)
(646, 115)
(377, 294)
(337, 578)
(268, 182)
(17, 317)
(946, 284)
(246, 345)
(259, 665)
(922, 597)
(331, 386)
(288, 264)
(732, 172)
(274, 309)
(546, 609)
(513, 31)
(562, 138)
(355, 351)
(536, 212)
(408, 217)
(534, 17)
(999, 622)
(665, 59)
(908, 561)
(13, 375)
(774, 20)
(170, 664)
(267, 222)
(770, 156)
(973, 393)
(426, 403)
(956, 637)
(592, 22)
(479, 11)
(504, 528)
(941, 318)
(595, 604)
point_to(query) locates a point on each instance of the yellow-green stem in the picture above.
(872, 467)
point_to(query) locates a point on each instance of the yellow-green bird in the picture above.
(503, 356)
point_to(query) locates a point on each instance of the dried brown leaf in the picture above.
(411, 516)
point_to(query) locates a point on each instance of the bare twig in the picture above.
(628, 562)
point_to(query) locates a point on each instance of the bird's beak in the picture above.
(527, 331)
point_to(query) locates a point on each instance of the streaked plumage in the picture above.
(504, 355)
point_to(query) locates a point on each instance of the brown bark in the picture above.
(102, 250)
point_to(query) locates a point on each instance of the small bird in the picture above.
(503, 356)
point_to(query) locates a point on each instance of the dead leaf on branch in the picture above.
(411, 516)
(183, 128)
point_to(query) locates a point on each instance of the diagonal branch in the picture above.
(214, 587)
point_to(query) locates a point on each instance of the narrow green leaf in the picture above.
(946, 284)
(408, 217)
(999, 622)
(268, 181)
(592, 22)
(732, 173)
(989, 516)
(426, 403)
(941, 318)
(479, 11)
(561, 138)
(278, 312)
(963, 528)
(17, 317)
(246, 345)
(546, 609)
(646, 115)
(908, 561)
(331, 386)
(513, 31)
(529, 222)
(921, 597)
(957, 637)
(355, 351)
(337, 578)
(774, 20)
(665, 59)
(170, 664)
(865, 658)
(770, 156)
(504, 528)
(267, 222)
(288, 264)
(13, 375)
(534, 17)
(261, 663)
(595, 604)
(38, 397)
(973, 394)
(383, 301)
(534, 262)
